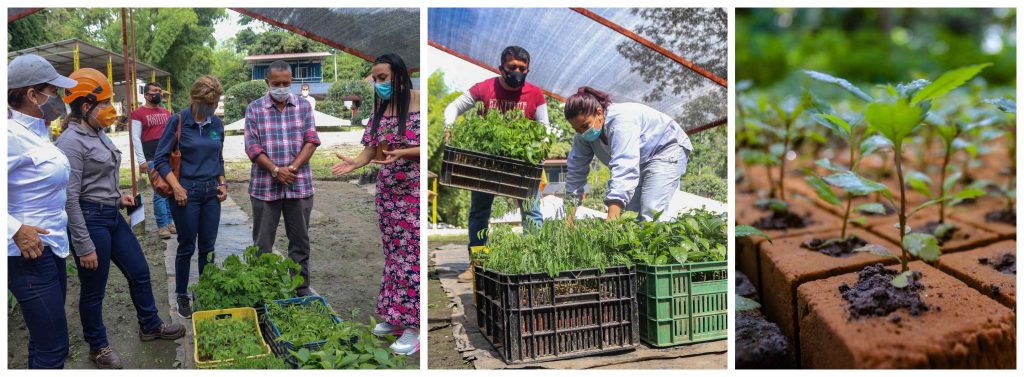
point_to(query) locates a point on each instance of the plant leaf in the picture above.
(840, 82)
(947, 82)
(895, 120)
(874, 143)
(745, 304)
(878, 250)
(747, 230)
(924, 246)
(920, 182)
(854, 184)
(1005, 104)
(823, 190)
(903, 279)
(872, 208)
(828, 165)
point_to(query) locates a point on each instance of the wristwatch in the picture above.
(274, 173)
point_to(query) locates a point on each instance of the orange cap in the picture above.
(91, 84)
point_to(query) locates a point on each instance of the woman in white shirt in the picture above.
(645, 149)
(37, 178)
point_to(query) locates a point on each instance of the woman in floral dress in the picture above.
(392, 140)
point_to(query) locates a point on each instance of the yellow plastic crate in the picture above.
(246, 314)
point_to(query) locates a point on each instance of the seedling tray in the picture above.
(245, 314)
(283, 348)
(536, 317)
(683, 303)
(487, 173)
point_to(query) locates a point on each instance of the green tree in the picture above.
(350, 67)
(228, 65)
(284, 42)
(339, 90)
(238, 97)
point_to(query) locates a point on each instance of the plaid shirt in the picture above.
(280, 135)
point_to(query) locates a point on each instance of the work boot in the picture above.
(172, 229)
(165, 233)
(105, 358)
(167, 331)
(467, 276)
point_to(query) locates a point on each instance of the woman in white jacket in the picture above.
(645, 149)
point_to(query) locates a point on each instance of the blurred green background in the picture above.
(872, 45)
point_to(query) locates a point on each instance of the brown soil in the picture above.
(785, 265)
(1002, 216)
(971, 330)
(744, 287)
(987, 270)
(978, 219)
(967, 236)
(835, 247)
(874, 295)
(759, 343)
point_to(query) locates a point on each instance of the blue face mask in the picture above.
(383, 90)
(591, 134)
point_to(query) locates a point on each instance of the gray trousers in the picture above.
(267, 215)
(659, 181)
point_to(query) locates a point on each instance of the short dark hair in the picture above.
(16, 97)
(515, 52)
(304, 86)
(280, 65)
(145, 89)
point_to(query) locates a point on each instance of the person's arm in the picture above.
(140, 158)
(463, 103)
(624, 165)
(162, 156)
(77, 230)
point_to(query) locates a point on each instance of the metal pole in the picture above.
(128, 94)
(335, 65)
(135, 72)
(433, 210)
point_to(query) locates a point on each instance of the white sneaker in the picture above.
(385, 329)
(408, 344)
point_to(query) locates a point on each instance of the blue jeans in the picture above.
(40, 286)
(115, 243)
(161, 208)
(480, 216)
(199, 218)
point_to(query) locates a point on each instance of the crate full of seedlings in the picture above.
(301, 322)
(225, 336)
(500, 154)
(539, 317)
(683, 303)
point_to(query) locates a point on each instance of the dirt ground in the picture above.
(118, 315)
(347, 260)
(442, 353)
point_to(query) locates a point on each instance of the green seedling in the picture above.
(249, 281)
(1008, 129)
(508, 134)
(340, 352)
(301, 324)
(229, 338)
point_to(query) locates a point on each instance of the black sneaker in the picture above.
(184, 307)
(303, 292)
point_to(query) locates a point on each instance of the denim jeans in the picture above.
(198, 219)
(480, 216)
(115, 243)
(161, 208)
(659, 181)
(40, 286)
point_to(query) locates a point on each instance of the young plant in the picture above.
(367, 351)
(949, 133)
(897, 118)
(229, 338)
(301, 324)
(508, 134)
(249, 281)
(1009, 129)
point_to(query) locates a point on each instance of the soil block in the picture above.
(760, 344)
(963, 328)
(785, 265)
(978, 214)
(967, 236)
(980, 269)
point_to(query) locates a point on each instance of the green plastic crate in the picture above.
(683, 303)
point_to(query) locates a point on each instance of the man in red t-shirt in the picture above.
(508, 92)
(148, 123)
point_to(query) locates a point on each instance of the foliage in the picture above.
(364, 90)
(301, 324)
(350, 67)
(228, 338)
(367, 352)
(249, 281)
(509, 135)
(334, 108)
(238, 97)
(452, 204)
(273, 42)
(697, 236)
(706, 185)
(229, 66)
(262, 363)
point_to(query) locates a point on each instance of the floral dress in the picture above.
(398, 208)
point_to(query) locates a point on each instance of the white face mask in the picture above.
(280, 94)
(305, 93)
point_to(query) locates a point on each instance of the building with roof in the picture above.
(307, 68)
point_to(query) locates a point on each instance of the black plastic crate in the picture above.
(536, 317)
(497, 175)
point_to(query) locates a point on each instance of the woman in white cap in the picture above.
(37, 179)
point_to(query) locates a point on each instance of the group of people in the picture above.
(64, 198)
(645, 149)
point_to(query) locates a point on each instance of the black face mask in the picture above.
(514, 79)
(155, 98)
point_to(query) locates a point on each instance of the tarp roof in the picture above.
(673, 59)
(301, 55)
(61, 56)
(363, 32)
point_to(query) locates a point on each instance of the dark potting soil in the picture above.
(835, 247)
(874, 295)
(779, 220)
(744, 287)
(929, 228)
(1002, 216)
(1006, 263)
(759, 343)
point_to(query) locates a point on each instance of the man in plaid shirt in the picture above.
(280, 137)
